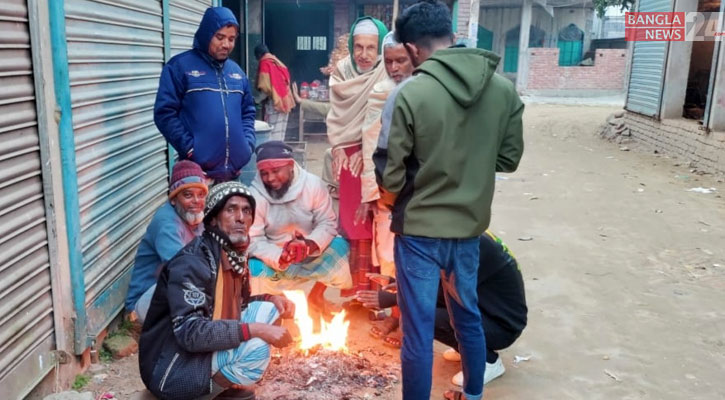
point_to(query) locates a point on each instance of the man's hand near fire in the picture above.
(296, 250)
(285, 307)
(277, 336)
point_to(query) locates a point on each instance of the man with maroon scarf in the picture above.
(273, 82)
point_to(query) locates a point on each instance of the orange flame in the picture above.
(331, 336)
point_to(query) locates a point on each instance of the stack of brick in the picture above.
(683, 138)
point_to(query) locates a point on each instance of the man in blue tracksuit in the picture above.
(204, 105)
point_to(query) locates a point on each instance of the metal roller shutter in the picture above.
(648, 68)
(26, 306)
(184, 19)
(115, 56)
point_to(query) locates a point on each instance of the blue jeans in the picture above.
(420, 263)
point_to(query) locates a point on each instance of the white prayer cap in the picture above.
(389, 40)
(365, 27)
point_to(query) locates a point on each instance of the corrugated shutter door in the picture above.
(26, 306)
(184, 18)
(648, 67)
(115, 56)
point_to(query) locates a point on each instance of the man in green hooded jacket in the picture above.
(446, 132)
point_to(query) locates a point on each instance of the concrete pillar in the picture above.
(255, 35)
(677, 69)
(717, 102)
(50, 154)
(473, 23)
(523, 65)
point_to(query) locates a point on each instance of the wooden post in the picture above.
(395, 14)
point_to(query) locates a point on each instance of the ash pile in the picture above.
(329, 375)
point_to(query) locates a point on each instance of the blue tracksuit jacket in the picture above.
(204, 108)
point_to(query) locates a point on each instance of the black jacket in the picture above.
(179, 336)
(500, 286)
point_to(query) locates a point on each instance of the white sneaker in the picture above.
(451, 355)
(493, 371)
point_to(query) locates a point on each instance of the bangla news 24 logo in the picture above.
(673, 26)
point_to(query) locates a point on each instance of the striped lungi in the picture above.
(244, 365)
(330, 268)
(278, 121)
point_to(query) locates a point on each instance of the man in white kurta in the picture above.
(294, 235)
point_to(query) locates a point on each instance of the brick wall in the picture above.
(607, 73)
(682, 138)
(464, 15)
(342, 18)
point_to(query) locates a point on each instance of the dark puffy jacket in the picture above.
(205, 108)
(179, 335)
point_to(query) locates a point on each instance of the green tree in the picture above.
(601, 5)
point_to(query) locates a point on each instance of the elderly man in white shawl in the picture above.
(350, 85)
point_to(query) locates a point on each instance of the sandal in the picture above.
(453, 395)
(393, 340)
(376, 332)
(388, 325)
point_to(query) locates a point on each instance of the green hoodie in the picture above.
(446, 132)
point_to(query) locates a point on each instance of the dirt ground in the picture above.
(624, 270)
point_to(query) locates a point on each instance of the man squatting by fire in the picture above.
(205, 336)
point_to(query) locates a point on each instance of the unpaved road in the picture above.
(625, 273)
(625, 270)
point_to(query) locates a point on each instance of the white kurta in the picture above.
(306, 207)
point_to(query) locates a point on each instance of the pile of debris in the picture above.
(615, 129)
(329, 375)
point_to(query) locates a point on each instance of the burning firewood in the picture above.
(321, 374)
(320, 366)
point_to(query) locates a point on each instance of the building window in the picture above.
(304, 43)
(485, 38)
(570, 45)
(511, 58)
(319, 43)
(511, 51)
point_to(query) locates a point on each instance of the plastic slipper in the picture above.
(457, 395)
(376, 332)
(388, 325)
(393, 341)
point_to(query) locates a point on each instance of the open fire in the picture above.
(322, 367)
(332, 335)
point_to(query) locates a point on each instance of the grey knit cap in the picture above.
(220, 193)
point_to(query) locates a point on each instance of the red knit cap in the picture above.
(186, 174)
